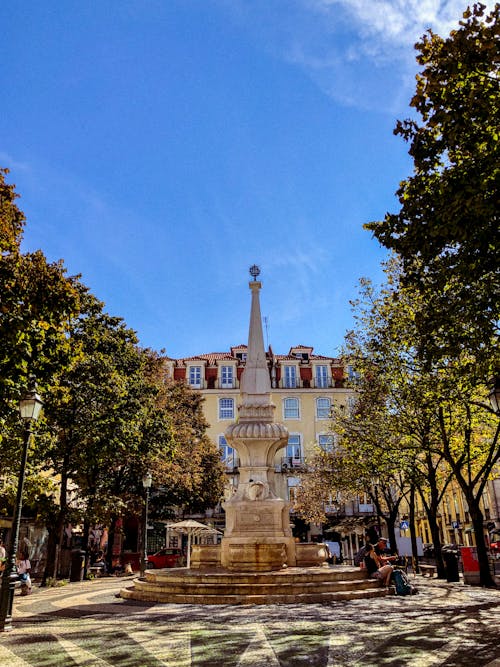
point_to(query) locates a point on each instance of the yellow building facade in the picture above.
(305, 388)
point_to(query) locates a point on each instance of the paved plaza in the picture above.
(85, 624)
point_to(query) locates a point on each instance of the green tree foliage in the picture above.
(412, 425)
(36, 302)
(193, 479)
(12, 219)
(447, 229)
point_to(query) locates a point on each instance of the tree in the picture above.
(113, 415)
(37, 300)
(193, 478)
(447, 230)
(470, 444)
(105, 424)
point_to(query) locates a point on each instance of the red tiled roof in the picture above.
(212, 357)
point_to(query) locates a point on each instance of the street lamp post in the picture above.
(146, 483)
(29, 409)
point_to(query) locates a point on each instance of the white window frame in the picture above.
(321, 376)
(229, 455)
(290, 376)
(286, 409)
(227, 377)
(321, 412)
(195, 373)
(226, 408)
(294, 448)
(292, 484)
(326, 441)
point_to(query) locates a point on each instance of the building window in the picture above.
(226, 408)
(323, 408)
(195, 377)
(326, 442)
(292, 484)
(227, 375)
(322, 377)
(228, 455)
(291, 408)
(293, 449)
(352, 374)
(290, 379)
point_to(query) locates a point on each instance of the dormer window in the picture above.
(242, 356)
(321, 376)
(195, 377)
(227, 377)
(290, 377)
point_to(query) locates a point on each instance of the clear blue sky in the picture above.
(161, 147)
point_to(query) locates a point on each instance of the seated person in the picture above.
(23, 567)
(101, 562)
(382, 551)
(376, 566)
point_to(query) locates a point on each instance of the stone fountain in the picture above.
(257, 536)
(258, 560)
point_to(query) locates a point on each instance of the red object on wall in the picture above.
(211, 377)
(306, 373)
(337, 373)
(179, 373)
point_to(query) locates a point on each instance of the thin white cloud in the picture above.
(366, 56)
(359, 52)
(389, 24)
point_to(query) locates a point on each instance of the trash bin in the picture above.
(77, 565)
(451, 566)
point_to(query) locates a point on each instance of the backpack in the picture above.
(401, 583)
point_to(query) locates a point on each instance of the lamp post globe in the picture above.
(30, 406)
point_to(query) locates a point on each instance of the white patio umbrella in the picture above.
(190, 528)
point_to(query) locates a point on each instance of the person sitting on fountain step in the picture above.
(382, 551)
(376, 566)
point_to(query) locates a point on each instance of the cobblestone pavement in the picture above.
(84, 624)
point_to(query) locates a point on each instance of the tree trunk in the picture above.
(85, 546)
(51, 553)
(436, 541)
(485, 578)
(413, 534)
(111, 541)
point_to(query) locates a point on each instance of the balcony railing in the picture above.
(292, 463)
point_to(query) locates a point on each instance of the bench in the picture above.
(428, 570)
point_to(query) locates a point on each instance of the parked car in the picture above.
(165, 558)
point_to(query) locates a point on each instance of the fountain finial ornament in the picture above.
(254, 271)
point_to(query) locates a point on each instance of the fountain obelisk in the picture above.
(257, 536)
